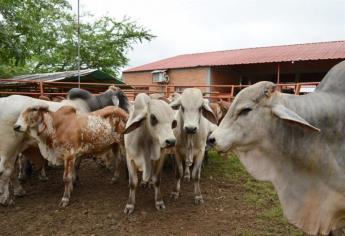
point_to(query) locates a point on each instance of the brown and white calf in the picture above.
(64, 135)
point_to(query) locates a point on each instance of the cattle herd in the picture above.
(295, 142)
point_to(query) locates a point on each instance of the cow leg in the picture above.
(18, 190)
(68, 180)
(147, 172)
(23, 165)
(76, 169)
(42, 176)
(156, 179)
(133, 183)
(118, 158)
(186, 176)
(196, 172)
(6, 171)
(179, 173)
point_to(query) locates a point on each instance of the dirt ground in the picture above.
(96, 208)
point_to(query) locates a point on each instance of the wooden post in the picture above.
(232, 92)
(41, 88)
(278, 73)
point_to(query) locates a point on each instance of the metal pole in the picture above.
(78, 44)
(278, 73)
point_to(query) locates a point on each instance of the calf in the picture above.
(191, 134)
(65, 135)
(148, 137)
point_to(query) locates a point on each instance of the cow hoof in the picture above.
(114, 180)
(6, 200)
(186, 178)
(43, 178)
(198, 200)
(64, 202)
(175, 195)
(160, 205)
(129, 209)
(19, 192)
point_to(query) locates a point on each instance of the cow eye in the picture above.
(182, 108)
(244, 111)
(200, 109)
(174, 124)
(153, 120)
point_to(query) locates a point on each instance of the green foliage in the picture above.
(41, 36)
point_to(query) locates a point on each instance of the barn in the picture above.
(58, 83)
(289, 64)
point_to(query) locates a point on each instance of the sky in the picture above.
(192, 26)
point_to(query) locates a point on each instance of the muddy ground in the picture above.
(96, 208)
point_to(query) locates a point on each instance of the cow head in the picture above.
(191, 107)
(156, 116)
(116, 116)
(30, 118)
(250, 115)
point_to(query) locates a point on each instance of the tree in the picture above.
(41, 36)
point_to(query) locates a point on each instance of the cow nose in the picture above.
(190, 129)
(16, 128)
(170, 142)
(211, 141)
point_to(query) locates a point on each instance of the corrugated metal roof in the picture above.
(55, 76)
(296, 52)
(58, 76)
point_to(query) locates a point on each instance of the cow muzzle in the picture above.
(17, 128)
(190, 129)
(170, 142)
(211, 141)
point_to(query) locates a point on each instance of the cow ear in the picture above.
(290, 116)
(135, 122)
(269, 89)
(208, 113)
(175, 105)
(115, 100)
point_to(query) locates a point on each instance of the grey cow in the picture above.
(193, 126)
(297, 143)
(148, 137)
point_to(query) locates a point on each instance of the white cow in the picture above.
(148, 136)
(193, 117)
(13, 142)
(295, 142)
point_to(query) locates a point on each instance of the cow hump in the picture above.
(334, 80)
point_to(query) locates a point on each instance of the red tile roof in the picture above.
(297, 52)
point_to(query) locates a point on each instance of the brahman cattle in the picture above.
(148, 136)
(64, 135)
(14, 143)
(112, 97)
(297, 143)
(191, 134)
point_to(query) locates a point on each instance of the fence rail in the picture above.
(213, 92)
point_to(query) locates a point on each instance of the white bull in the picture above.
(148, 136)
(297, 143)
(191, 134)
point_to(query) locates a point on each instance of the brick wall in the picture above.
(178, 77)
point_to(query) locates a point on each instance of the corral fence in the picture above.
(212, 92)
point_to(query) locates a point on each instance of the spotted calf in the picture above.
(65, 135)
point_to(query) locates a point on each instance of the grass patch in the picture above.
(260, 194)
